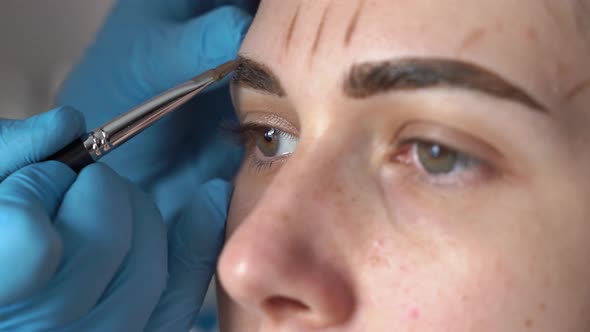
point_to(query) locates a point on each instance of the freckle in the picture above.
(414, 313)
(542, 306)
(529, 323)
(561, 68)
(376, 260)
(286, 218)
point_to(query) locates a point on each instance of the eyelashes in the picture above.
(265, 145)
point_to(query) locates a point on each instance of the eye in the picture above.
(435, 158)
(264, 145)
(272, 142)
(438, 162)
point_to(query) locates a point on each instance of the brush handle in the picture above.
(74, 155)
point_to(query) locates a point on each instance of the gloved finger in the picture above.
(181, 51)
(30, 247)
(178, 10)
(133, 294)
(174, 54)
(194, 241)
(94, 222)
(23, 142)
(164, 56)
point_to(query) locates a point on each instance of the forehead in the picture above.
(303, 41)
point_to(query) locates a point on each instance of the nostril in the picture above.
(281, 307)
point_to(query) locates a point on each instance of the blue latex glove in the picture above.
(145, 48)
(89, 252)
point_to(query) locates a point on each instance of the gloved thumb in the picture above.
(194, 245)
(24, 142)
(30, 247)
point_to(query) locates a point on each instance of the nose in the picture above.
(284, 260)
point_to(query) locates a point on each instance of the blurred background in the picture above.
(41, 41)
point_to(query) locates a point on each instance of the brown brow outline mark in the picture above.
(576, 90)
(353, 23)
(472, 38)
(318, 35)
(292, 27)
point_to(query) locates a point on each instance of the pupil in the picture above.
(269, 135)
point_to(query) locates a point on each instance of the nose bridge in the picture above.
(316, 176)
(321, 186)
(294, 268)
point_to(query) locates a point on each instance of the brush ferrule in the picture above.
(97, 144)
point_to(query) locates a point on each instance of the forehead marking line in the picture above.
(353, 23)
(582, 14)
(577, 90)
(319, 32)
(471, 39)
(292, 27)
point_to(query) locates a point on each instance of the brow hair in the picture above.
(257, 76)
(367, 79)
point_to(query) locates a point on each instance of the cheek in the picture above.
(438, 287)
(430, 283)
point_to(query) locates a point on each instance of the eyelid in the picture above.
(271, 120)
(450, 138)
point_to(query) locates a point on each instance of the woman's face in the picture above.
(412, 166)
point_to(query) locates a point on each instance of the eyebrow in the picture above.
(372, 78)
(257, 76)
(369, 79)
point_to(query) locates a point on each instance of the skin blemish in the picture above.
(376, 258)
(529, 323)
(532, 34)
(353, 23)
(414, 313)
(471, 39)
